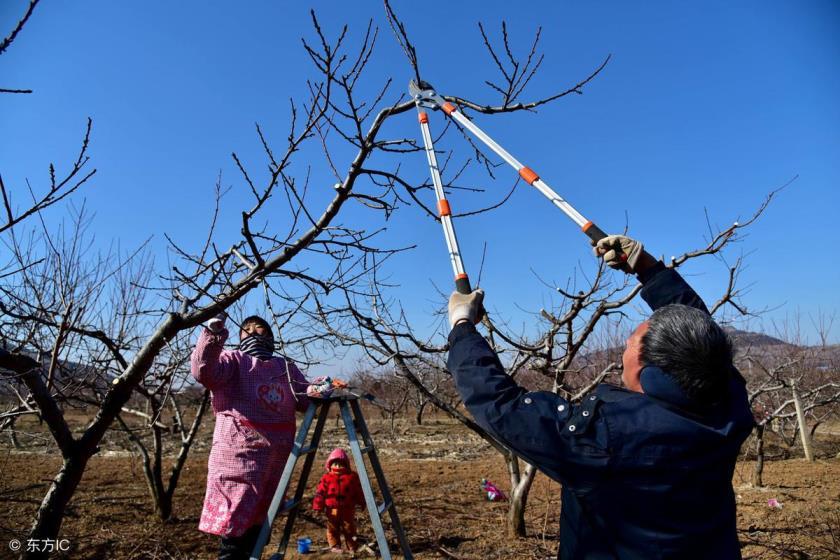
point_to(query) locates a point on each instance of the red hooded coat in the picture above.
(341, 491)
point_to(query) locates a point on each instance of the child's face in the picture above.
(252, 328)
(337, 466)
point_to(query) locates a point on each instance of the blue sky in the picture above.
(704, 106)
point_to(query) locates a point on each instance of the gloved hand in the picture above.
(320, 388)
(217, 323)
(619, 252)
(466, 306)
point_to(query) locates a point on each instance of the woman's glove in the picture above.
(217, 323)
(322, 387)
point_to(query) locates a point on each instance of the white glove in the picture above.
(619, 252)
(466, 306)
(217, 323)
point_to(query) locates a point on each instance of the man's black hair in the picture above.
(260, 321)
(686, 343)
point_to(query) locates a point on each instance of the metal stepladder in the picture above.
(355, 426)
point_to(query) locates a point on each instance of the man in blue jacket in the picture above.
(646, 470)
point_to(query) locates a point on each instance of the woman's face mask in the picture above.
(256, 340)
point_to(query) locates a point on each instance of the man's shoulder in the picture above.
(614, 399)
(613, 407)
(607, 392)
(630, 415)
(630, 407)
(642, 427)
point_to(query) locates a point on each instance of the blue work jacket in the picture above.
(644, 475)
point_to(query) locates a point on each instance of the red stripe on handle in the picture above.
(529, 175)
(594, 232)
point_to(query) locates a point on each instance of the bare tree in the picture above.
(772, 373)
(162, 491)
(12, 359)
(208, 280)
(314, 269)
(439, 383)
(292, 264)
(391, 393)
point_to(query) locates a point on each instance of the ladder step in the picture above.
(367, 449)
(383, 507)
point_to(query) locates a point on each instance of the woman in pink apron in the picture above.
(255, 395)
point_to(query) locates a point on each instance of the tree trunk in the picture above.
(13, 434)
(759, 456)
(75, 453)
(800, 417)
(814, 428)
(148, 469)
(162, 495)
(520, 487)
(51, 513)
(161, 509)
(164, 506)
(420, 408)
(174, 475)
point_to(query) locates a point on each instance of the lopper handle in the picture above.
(594, 233)
(462, 284)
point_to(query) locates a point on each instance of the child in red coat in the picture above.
(339, 492)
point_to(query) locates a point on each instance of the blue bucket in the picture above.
(303, 545)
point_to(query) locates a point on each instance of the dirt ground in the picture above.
(434, 471)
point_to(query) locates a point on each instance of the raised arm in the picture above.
(210, 364)
(568, 443)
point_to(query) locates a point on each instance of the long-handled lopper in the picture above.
(425, 96)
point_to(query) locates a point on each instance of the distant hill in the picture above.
(753, 339)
